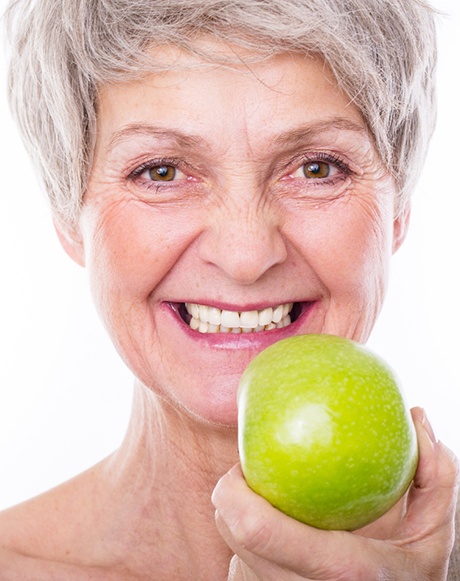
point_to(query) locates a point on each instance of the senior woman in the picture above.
(230, 173)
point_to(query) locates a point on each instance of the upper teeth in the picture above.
(213, 320)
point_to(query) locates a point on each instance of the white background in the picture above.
(64, 394)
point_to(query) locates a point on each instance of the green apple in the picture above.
(324, 432)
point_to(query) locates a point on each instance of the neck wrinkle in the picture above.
(161, 479)
(167, 441)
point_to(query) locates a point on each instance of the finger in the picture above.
(437, 468)
(254, 529)
(236, 572)
(247, 566)
(433, 495)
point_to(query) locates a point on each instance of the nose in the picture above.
(243, 241)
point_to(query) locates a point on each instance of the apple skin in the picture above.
(324, 433)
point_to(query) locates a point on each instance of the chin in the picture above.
(216, 408)
(204, 405)
(217, 419)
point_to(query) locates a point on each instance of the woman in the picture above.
(230, 173)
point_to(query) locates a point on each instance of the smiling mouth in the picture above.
(207, 319)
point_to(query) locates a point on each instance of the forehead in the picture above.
(232, 92)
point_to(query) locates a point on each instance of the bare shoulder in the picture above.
(17, 567)
(28, 539)
(29, 528)
(38, 544)
(47, 537)
(454, 565)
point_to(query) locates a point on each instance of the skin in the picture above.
(243, 216)
(240, 227)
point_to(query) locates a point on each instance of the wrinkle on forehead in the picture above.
(216, 118)
(278, 82)
(176, 137)
(289, 138)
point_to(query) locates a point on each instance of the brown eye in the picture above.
(162, 173)
(317, 169)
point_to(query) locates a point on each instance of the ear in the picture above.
(71, 240)
(400, 226)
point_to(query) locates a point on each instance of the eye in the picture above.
(162, 173)
(163, 178)
(315, 169)
(318, 169)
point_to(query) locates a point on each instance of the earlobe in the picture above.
(71, 240)
(401, 226)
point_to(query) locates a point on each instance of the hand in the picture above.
(411, 542)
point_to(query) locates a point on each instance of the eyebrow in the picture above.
(190, 141)
(181, 139)
(300, 134)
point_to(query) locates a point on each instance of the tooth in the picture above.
(207, 319)
(214, 315)
(230, 319)
(286, 321)
(204, 313)
(265, 316)
(194, 323)
(277, 314)
(203, 328)
(286, 308)
(249, 319)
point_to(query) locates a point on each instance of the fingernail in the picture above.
(214, 495)
(222, 495)
(222, 510)
(217, 494)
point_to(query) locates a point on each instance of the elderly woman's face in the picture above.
(230, 207)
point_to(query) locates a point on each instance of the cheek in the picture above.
(130, 250)
(364, 245)
(349, 245)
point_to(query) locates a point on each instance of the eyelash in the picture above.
(331, 159)
(148, 165)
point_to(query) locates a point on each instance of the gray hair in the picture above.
(382, 52)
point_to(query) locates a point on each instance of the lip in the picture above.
(252, 341)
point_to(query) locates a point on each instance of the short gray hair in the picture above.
(382, 52)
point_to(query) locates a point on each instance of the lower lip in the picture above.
(251, 341)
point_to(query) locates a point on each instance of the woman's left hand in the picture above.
(412, 541)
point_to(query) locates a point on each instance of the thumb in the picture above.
(256, 532)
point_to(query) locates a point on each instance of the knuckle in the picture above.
(254, 533)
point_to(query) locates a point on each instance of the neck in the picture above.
(161, 480)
